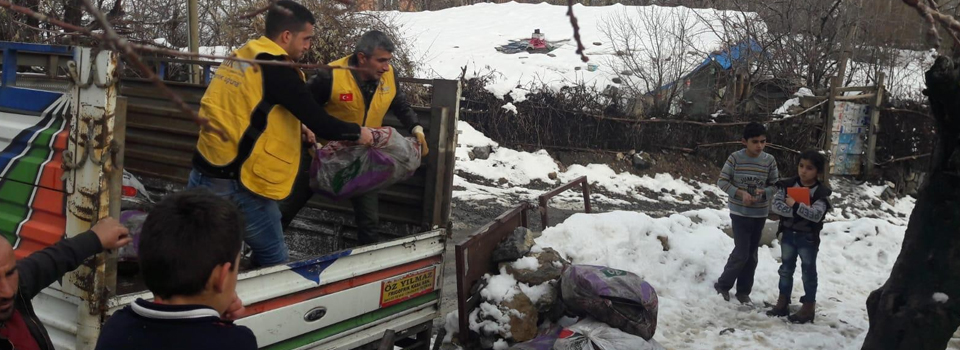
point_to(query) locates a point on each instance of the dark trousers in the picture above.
(742, 263)
(365, 207)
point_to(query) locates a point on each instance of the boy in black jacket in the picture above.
(800, 224)
(22, 280)
(189, 251)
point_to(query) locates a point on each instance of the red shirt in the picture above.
(16, 331)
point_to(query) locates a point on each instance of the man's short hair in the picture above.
(373, 40)
(754, 129)
(184, 238)
(293, 19)
(816, 158)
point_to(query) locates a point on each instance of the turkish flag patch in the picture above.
(346, 97)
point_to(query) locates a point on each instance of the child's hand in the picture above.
(747, 198)
(235, 310)
(790, 201)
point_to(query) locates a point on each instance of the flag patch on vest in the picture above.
(346, 97)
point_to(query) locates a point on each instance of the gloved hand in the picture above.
(418, 132)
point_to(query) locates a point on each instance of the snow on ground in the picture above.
(447, 45)
(692, 315)
(683, 254)
(512, 170)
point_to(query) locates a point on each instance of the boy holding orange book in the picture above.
(802, 203)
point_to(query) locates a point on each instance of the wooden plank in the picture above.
(828, 126)
(474, 260)
(447, 93)
(874, 128)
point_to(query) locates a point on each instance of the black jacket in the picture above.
(281, 86)
(44, 267)
(797, 218)
(144, 325)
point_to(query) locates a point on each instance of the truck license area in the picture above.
(409, 286)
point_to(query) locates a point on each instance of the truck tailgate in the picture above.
(344, 299)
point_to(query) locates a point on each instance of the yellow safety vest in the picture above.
(346, 101)
(234, 103)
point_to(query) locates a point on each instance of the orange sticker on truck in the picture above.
(408, 286)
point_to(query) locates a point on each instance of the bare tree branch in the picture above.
(576, 32)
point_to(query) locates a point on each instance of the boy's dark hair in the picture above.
(816, 158)
(754, 129)
(184, 237)
(293, 19)
(373, 40)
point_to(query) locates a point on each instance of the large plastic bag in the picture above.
(618, 298)
(133, 221)
(544, 341)
(590, 334)
(133, 194)
(344, 169)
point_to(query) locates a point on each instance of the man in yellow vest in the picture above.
(263, 110)
(361, 96)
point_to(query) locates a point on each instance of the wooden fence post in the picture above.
(874, 127)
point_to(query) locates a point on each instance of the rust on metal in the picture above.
(544, 199)
(474, 260)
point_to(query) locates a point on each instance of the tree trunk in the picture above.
(919, 305)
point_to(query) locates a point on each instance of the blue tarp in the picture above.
(724, 59)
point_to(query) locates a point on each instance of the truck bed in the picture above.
(313, 233)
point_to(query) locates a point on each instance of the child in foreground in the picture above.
(189, 251)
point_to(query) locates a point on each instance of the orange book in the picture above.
(799, 194)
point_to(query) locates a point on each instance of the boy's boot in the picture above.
(744, 299)
(805, 315)
(723, 293)
(782, 308)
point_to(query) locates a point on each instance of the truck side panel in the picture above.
(31, 191)
(317, 300)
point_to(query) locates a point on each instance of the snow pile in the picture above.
(940, 298)
(851, 200)
(222, 51)
(492, 317)
(447, 45)
(526, 263)
(512, 169)
(684, 262)
(795, 101)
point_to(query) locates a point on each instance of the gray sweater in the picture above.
(742, 172)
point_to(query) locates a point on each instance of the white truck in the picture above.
(70, 123)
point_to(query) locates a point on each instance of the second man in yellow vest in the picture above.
(361, 96)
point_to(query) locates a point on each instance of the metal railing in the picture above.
(544, 199)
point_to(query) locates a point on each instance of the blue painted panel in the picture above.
(26, 101)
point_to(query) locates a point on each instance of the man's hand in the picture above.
(366, 137)
(306, 135)
(747, 198)
(111, 233)
(235, 310)
(418, 132)
(790, 201)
